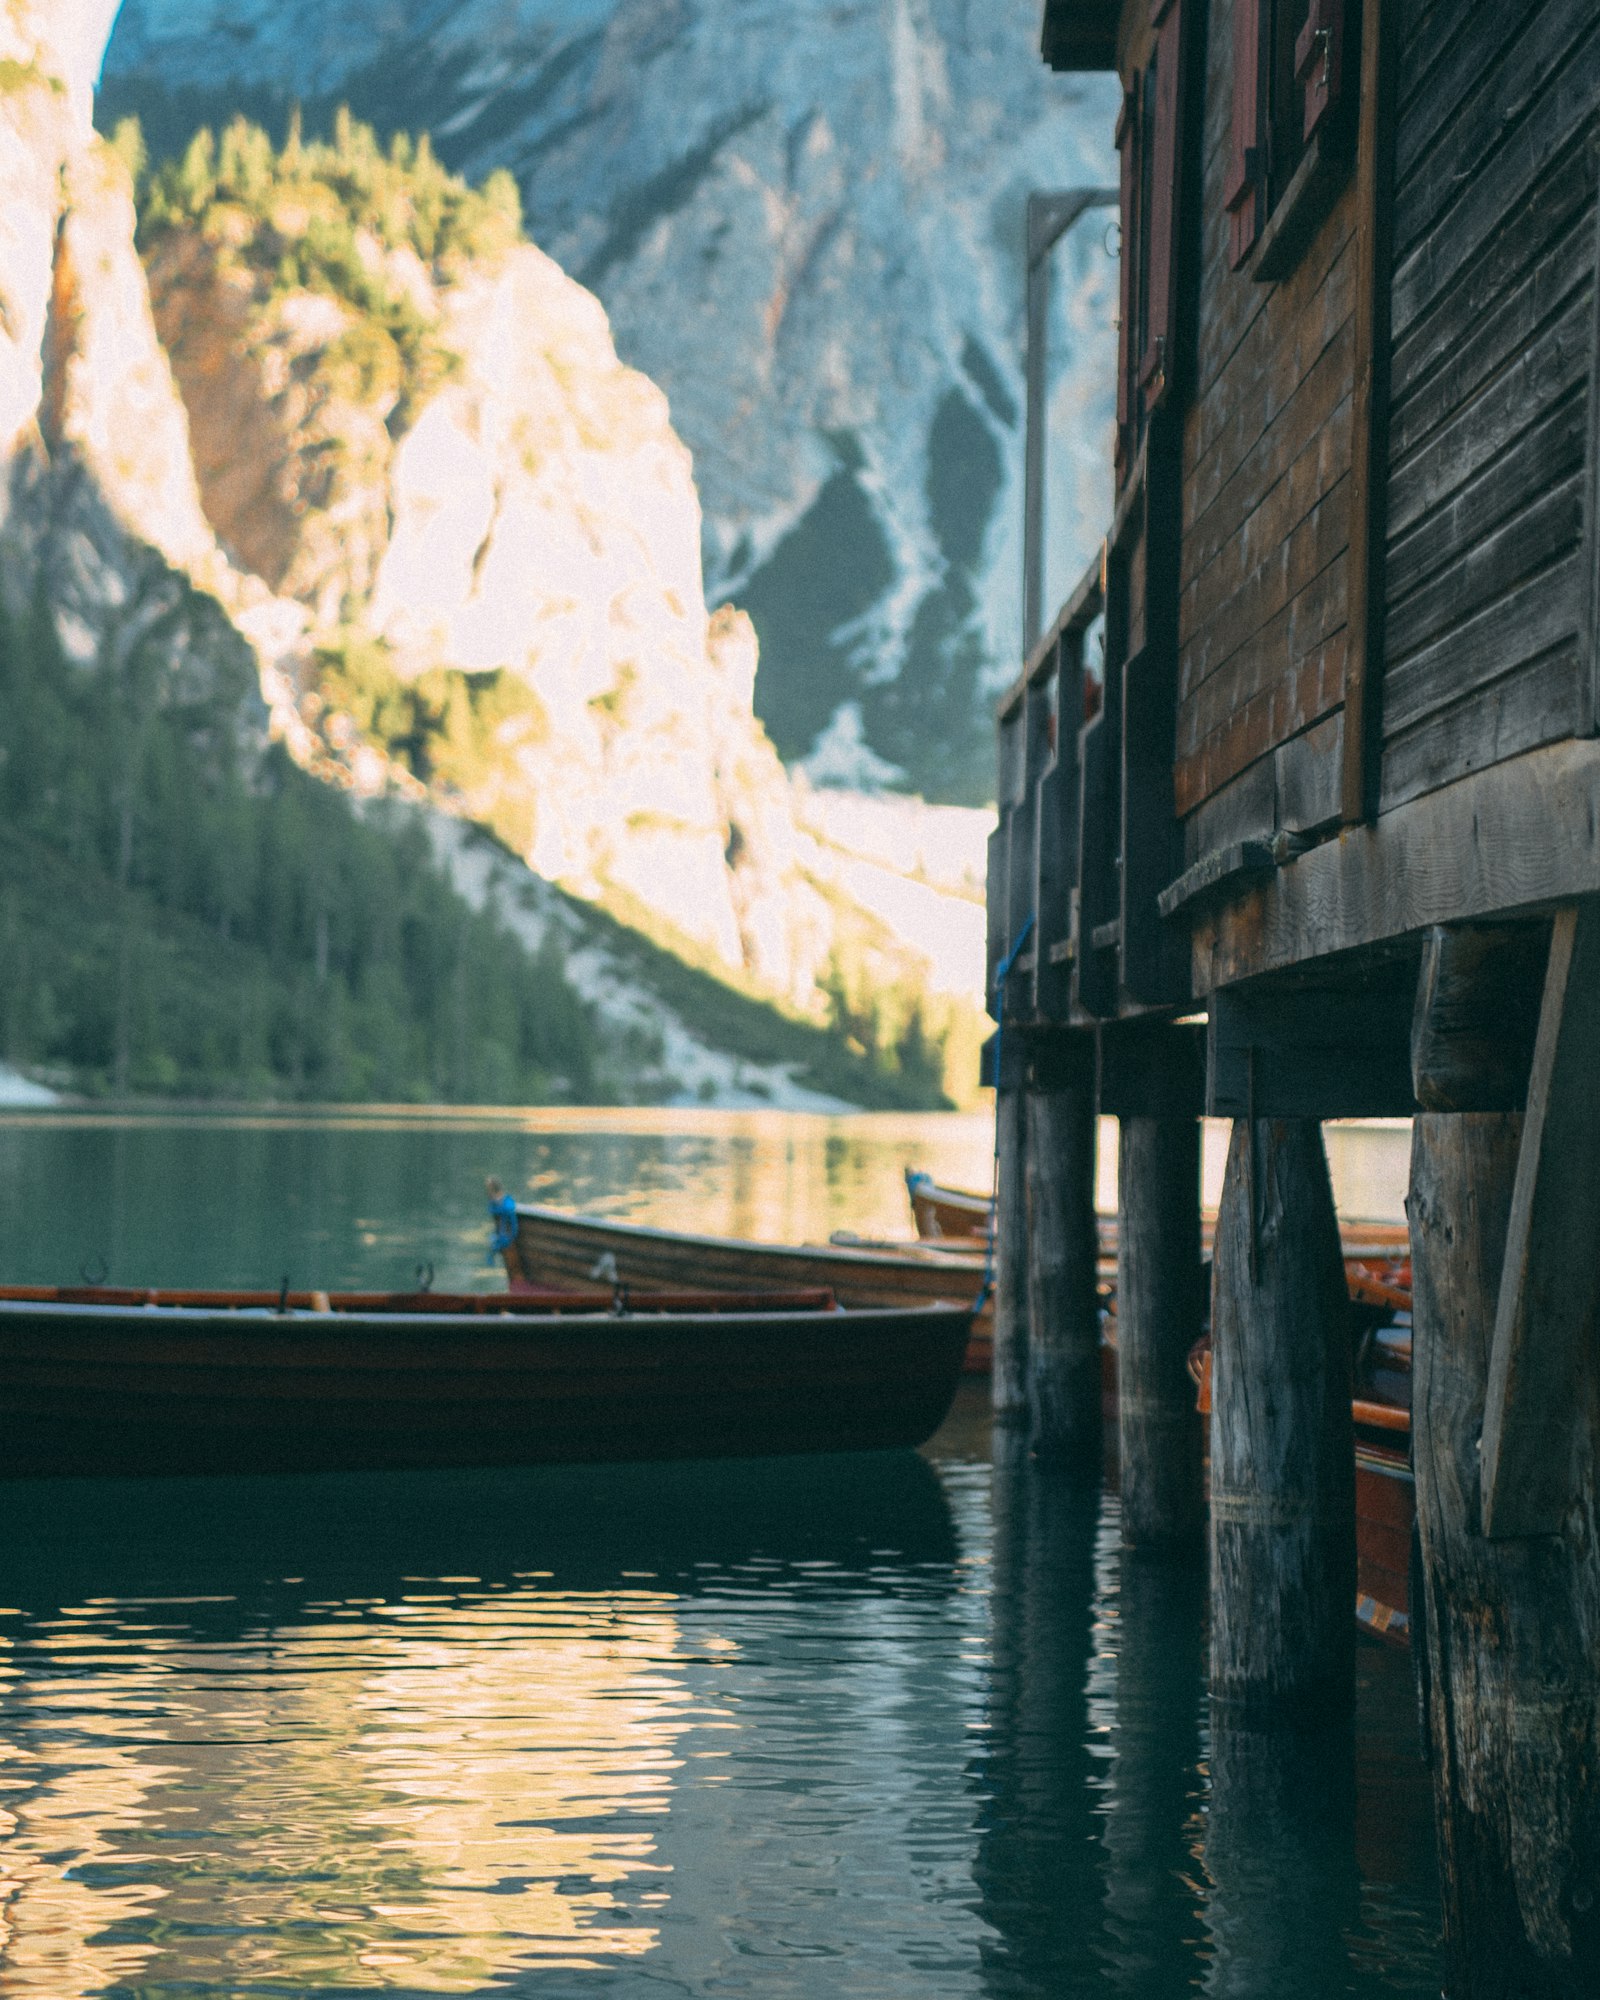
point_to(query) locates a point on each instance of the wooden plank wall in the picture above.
(1266, 513)
(1495, 177)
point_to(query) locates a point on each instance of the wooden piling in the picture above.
(1283, 1567)
(1508, 1635)
(1065, 1403)
(1009, 1370)
(1159, 1312)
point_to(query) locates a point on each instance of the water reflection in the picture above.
(1130, 1842)
(321, 1767)
(1044, 1768)
(1280, 1850)
(1155, 1825)
(885, 1726)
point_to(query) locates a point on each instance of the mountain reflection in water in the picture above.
(897, 1726)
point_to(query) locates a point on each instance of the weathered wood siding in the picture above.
(1266, 509)
(1493, 328)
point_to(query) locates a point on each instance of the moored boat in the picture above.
(100, 1381)
(941, 1211)
(959, 1217)
(551, 1246)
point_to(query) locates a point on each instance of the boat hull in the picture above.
(554, 1247)
(108, 1389)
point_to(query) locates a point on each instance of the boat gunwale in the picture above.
(913, 1254)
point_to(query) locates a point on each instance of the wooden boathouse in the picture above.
(1300, 819)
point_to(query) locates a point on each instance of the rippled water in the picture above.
(894, 1725)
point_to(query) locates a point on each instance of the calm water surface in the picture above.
(897, 1725)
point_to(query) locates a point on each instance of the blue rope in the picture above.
(503, 1214)
(1002, 974)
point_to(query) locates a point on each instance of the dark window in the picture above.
(1163, 169)
(1150, 142)
(1290, 78)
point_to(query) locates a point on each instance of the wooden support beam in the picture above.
(1160, 1306)
(1283, 1550)
(1503, 1631)
(1303, 1052)
(1477, 1013)
(1151, 1069)
(1481, 847)
(1544, 1329)
(1008, 1380)
(1066, 1420)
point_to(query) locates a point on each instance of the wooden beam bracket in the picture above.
(1152, 1069)
(1225, 867)
(1477, 1014)
(1550, 1281)
(1308, 1052)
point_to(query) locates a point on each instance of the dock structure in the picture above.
(1300, 819)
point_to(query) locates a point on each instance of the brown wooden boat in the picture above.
(940, 1211)
(962, 1219)
(95, 1380)
(555, 1247)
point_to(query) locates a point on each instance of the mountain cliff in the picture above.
(404, 489)
(804, 220)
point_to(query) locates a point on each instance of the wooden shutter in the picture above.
(1319, 65)
(1247, 161)
(1161, 224)
(1127, 147)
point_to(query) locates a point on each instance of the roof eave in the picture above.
(1080, 34)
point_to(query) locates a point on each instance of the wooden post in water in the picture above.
(1159, 1311)
(1507, 1630)
(1065, 1404)
(1008, 1378)
(1283, 1559)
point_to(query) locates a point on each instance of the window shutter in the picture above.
(1319, 61)
(1161, 225)
(1127, 147)
(1247, 162)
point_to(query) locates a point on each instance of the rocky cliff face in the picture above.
(218, 476)
(804, 220)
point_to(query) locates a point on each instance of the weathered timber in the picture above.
(1542, 701)
(1511, 1629)
(1151, 1069)
(1477, 1013)
(1095, 970)
(1590, 578)
(1544, 1330)
(1160, 1301)
(1295, 1051)
(1369, 460)
(1455, 201)
(1063, 1361)
(1480, 847)
(1283, 1557)
(1009, 1373)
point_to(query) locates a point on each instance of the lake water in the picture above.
(902, 1726)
